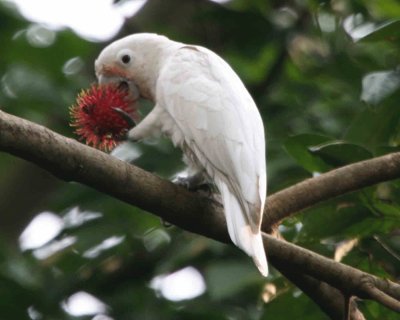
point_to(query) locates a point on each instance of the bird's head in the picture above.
(132, 63)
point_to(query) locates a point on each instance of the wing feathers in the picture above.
(239, 230)
(222, 128)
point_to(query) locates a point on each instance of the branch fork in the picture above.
(328, 283)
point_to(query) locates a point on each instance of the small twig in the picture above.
(387, 286)
(383, 298)
(387, 248)
(70, 160)
(329, 299)
(347, 279)
(374, 293)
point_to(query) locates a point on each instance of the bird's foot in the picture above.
(191, 183)
(196, 183)
(185, 182)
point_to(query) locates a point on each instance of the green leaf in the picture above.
(333, 220)
(318, 153)
(293, 305)
(390, 211)
(340, 153)
(225, 279)
(299, 148)
(383, 150)
(376, 86)
(367, 31)
(374, 127)
(372, 225)
(374, 310)
(388, 31)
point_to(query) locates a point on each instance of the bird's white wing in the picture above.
(219, 121)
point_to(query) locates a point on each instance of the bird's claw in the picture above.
(194, 183)
(183, 182)
(126, 116)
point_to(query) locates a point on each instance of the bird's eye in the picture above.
(126, 58)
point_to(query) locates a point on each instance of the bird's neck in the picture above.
(157, 56)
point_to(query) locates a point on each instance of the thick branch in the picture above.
(71, 160)
(349, 280)
(329, 185)
(328, 298)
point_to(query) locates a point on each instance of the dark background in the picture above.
(326, 99)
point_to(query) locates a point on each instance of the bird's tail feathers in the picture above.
(240, 231)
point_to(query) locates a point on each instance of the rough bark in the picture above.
(72, 161)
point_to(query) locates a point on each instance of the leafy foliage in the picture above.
(325, 78)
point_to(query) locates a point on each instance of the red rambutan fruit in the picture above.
(100, 116)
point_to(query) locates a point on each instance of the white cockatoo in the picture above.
(204, 108)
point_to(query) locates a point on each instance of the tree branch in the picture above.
(329, 185)
(329, 299)
(70, 160)
(350, 281)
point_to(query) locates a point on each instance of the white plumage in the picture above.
(202, 105)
